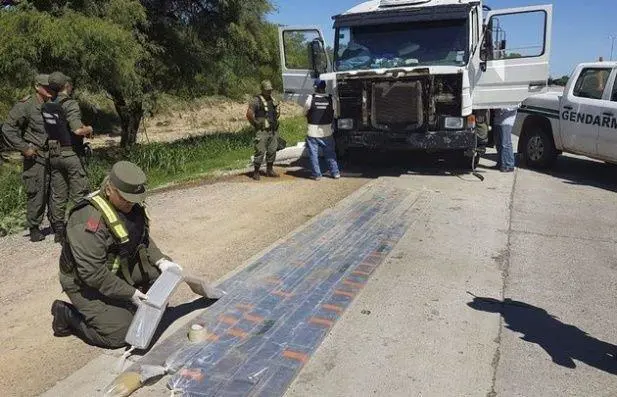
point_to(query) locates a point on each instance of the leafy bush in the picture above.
(163, 163)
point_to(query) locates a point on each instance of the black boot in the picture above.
(256, 175)
(59, 232)
(270, 171)
(66, 318)
(36, 235)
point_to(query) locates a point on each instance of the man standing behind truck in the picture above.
(263, 113)
(319, 112)
(66, 150)
(24, 131)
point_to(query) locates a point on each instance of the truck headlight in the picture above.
(345, 124)
(453, 123)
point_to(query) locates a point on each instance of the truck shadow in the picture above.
(369, 164)
(586, 172)
(563, 342)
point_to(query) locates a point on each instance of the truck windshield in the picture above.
(402, 44)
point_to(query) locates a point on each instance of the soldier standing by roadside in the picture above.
(263, 113)
(66, 132)
(24, 131)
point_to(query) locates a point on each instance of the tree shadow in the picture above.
(563, 342)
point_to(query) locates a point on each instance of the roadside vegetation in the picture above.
(164, 163)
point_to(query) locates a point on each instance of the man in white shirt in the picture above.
(319, 112)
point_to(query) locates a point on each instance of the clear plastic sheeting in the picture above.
(202, 288)
(279, 309)
(124, 385)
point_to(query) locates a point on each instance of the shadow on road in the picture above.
(375, 164)
(563, 342)
(172, 314)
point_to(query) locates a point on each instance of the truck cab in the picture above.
(420, 75)
(581, 120)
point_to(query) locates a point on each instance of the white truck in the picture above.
(582, 120)
(420, 75)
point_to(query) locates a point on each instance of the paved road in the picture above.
(537, 250)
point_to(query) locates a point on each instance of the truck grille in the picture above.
(397, 106)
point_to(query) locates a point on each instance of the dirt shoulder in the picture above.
(207, 116)
(210, 229)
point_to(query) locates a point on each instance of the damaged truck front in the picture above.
(419, 75)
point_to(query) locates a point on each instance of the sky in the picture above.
(580, 33)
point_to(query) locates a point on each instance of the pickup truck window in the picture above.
(614, 94)
(591, 83)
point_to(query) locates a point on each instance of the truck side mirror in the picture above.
(317, 58)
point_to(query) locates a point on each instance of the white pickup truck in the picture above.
(582, 120)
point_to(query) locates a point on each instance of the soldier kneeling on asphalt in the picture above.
(108, 260)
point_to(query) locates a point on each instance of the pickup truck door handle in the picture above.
(538, 84)
(608, 114)
(568, 107)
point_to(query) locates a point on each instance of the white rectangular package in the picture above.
(161, 291)
(150, 312)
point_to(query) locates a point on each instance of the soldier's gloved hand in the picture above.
(164, 265)
(138, 297)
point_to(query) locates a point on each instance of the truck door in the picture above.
(513, 60)
(607, 137)
(581, 110)
(303, 59)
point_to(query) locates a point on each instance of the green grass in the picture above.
(164, 163)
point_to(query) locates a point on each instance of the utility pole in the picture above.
(613, 37)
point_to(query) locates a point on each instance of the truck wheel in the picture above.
(538, 149)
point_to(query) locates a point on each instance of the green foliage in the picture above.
(163, 163)
(562, 81)
(96, 52)
(136, 50)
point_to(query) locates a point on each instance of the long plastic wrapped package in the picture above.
(150, 312)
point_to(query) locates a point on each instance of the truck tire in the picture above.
(538, 149)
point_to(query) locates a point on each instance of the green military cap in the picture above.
(266, 85)
(57, 80)
(130, 180)
(41, 79)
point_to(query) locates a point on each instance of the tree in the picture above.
(134, 49)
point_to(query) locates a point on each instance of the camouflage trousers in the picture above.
(36, 183)
(105, 320)
(68, 182)
(265, 144)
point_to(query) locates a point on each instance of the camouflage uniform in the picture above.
(101, 267)
(23, 129)
(266, 112)
(69, 181)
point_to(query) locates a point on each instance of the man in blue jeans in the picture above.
(504, 121)
(319, 111)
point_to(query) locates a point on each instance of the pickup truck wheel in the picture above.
(538, 149)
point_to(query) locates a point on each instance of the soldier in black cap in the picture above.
(66, 132)
(108, 260)
(263, 113)
(24, 131)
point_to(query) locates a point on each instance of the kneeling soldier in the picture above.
(108, 260)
